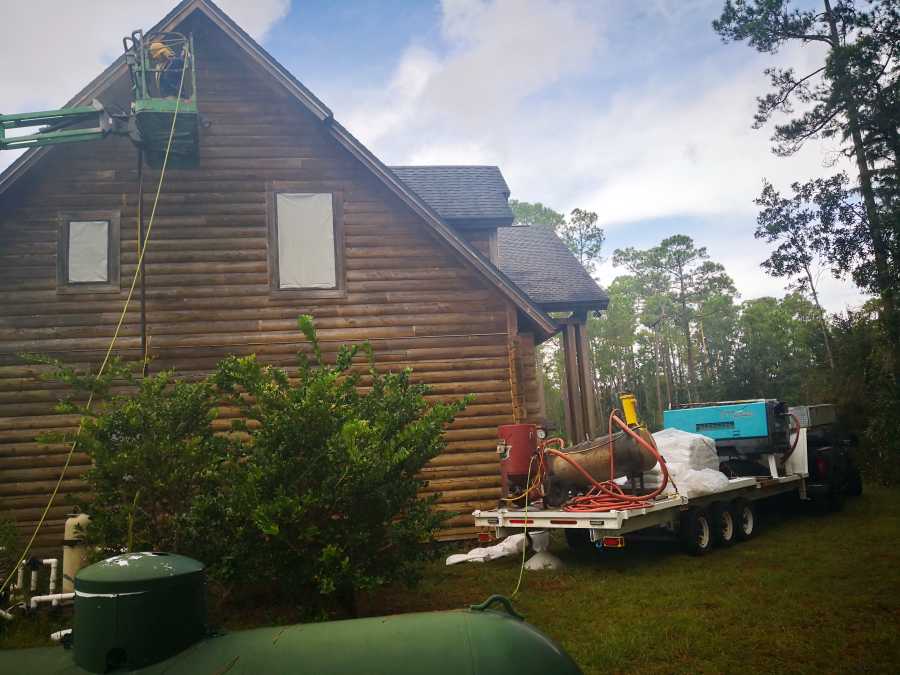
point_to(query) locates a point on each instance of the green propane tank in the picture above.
(145, 613)
(137, 609)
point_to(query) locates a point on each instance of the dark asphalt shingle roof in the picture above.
(542, 265)
(533, 257)
(460, 194)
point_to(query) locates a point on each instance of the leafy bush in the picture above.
(316, 493)
(867, 397)
(329, 481)
(153, 453)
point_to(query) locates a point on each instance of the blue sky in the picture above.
(634, 109)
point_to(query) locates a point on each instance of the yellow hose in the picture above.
(109, 350)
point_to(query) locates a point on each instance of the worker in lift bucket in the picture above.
(168, 68)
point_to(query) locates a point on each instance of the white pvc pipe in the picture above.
(60, 634)
(53, 564)
(55, 599)
(20, 579)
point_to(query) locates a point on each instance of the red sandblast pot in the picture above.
(518, 443)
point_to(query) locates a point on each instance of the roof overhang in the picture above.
(479, 223)
(576, 307)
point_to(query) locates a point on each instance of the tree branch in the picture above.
(791, 89)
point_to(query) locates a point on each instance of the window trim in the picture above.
(63, 285)
(273, 188)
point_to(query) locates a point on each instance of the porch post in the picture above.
(575, 409)
(578, 394)
(586, 379)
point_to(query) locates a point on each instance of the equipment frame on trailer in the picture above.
(665, 512)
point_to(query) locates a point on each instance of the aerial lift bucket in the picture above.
(164, 88)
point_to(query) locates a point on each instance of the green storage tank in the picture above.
(146, 613)
(137, 609)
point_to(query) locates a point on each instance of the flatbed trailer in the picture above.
(718, 518)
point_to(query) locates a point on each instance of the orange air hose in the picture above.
(607, 495)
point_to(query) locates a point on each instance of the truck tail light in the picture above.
(484, 537)
(613, 542)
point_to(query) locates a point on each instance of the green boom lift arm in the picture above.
(56, 123)
(164, 92)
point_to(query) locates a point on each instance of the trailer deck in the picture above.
(665, 511)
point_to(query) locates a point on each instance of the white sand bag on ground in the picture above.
(509, 546)
(543, 561)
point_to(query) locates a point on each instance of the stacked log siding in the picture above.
(208, 290)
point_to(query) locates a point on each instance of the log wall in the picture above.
(208, 292)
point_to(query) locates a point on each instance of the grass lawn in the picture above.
(809, 594)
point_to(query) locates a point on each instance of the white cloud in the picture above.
(500, 53)
(652, 148)
(56, 47)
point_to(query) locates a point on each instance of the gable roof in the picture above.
(260, 56)
(543, 266)
(464, 196)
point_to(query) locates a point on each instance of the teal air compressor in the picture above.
(753, 427)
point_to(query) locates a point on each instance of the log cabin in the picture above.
(285, 213)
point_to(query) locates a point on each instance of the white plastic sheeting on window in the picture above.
(88, 251)
(305, 241)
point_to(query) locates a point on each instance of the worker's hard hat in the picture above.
(158, 50)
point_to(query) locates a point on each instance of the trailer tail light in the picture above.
(484, 537)
(821, 467)
(521, 521)
(563, 521)
(613, 542)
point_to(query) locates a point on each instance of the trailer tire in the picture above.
(696, 531)
(724, 525)
(745, 520)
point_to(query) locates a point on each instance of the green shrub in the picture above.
(316, 495)
(153, 453)
(326, 500)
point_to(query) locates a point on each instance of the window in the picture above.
(305, 247)
(88, 252)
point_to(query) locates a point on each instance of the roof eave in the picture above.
(480, 223)
(598, 305)
(398, 187)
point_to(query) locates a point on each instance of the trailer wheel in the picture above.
(744, 514)
(696, 531)
(724, 524)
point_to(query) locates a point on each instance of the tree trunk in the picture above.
(822, 321)
(669, 375)
(704, 353)
(686, 329)
(889, 314)
(659, 400)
